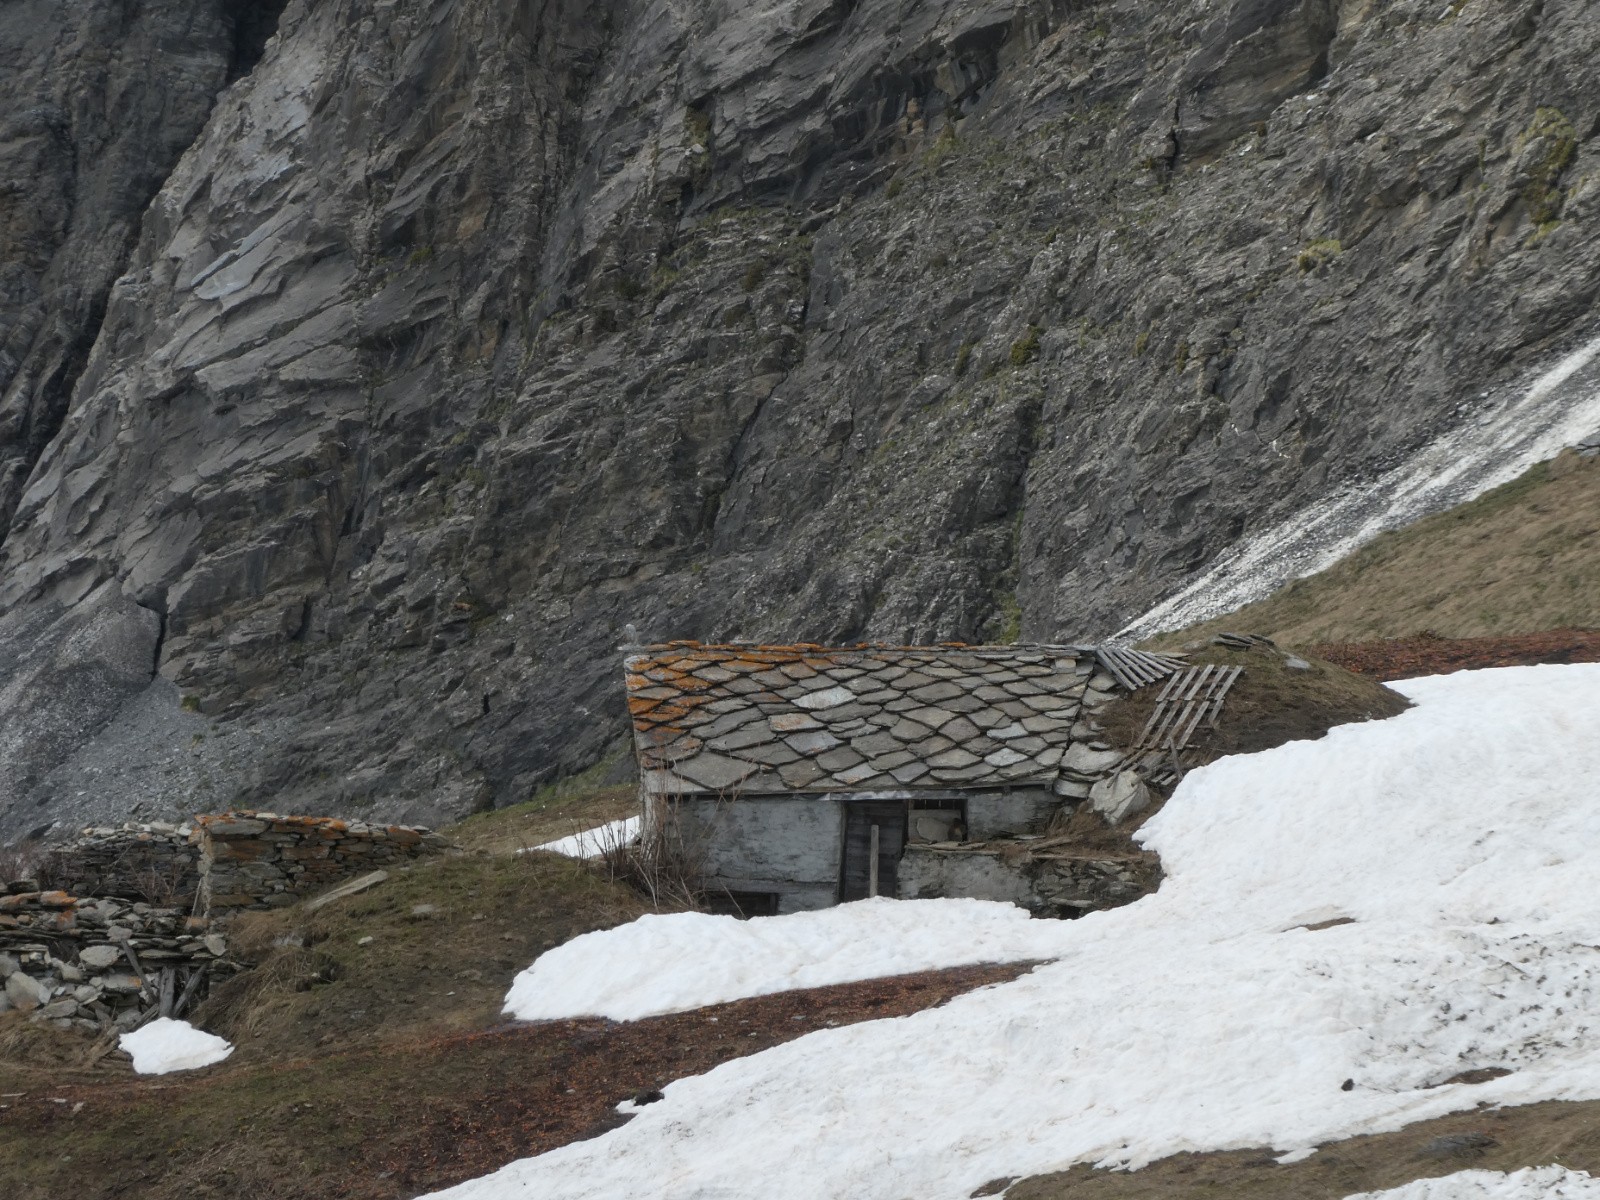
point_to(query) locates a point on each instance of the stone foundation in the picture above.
(1046, 884)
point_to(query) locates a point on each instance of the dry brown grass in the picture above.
(1522, 558)
(1530, 1136)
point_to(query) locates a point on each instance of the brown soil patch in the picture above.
(1506, 1139)
(410, 1115)
(1431, 654)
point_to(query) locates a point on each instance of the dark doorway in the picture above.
(860, 819)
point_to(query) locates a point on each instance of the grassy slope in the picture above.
(1521, 558)
(344, 1050)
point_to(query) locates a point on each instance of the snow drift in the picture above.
(662, 964)
(1458, 842)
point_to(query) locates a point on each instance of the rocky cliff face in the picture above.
(464, 333)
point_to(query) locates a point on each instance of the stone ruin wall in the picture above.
(230, 861)
(262, 860)
(106, 940)
(155, 863)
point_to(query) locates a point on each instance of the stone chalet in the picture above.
(796, 777)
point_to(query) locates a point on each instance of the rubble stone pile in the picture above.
(262, 860)
(102, 964)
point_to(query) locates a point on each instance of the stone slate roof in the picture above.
(775, 719)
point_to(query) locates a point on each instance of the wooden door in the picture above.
(860, 818)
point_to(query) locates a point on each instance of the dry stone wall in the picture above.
(1046, 884)
(229, 861)
(263, 860)
(156, 863)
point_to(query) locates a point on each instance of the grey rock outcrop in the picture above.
(465, 333)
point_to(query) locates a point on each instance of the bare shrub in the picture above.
(662, 864)
(23, 861)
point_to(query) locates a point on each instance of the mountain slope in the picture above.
(465, 335)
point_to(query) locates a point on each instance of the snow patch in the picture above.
(1462, 839)
(592, 843)
(672, 963)
(1534, 1183)
(166, 1045)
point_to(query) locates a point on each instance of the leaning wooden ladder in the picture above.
(1189, 697)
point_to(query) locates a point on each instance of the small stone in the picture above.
(369, 939)
(1120, 796)
(1295, 663)
(8, 966)
(1089, 762)
(25, 992)
(1458, 1145)
(58, 1010)
(424, 910)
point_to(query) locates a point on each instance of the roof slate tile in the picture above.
(717, 717)
(838, 759)
(799, 774)
(715, 771)
(960, 729)
(831, 697)
(934, 692)
(754, 735)
(773, 754)
(933, 718)
(812, 742)
(793, 722)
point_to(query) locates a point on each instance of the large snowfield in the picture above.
(1460, 840)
